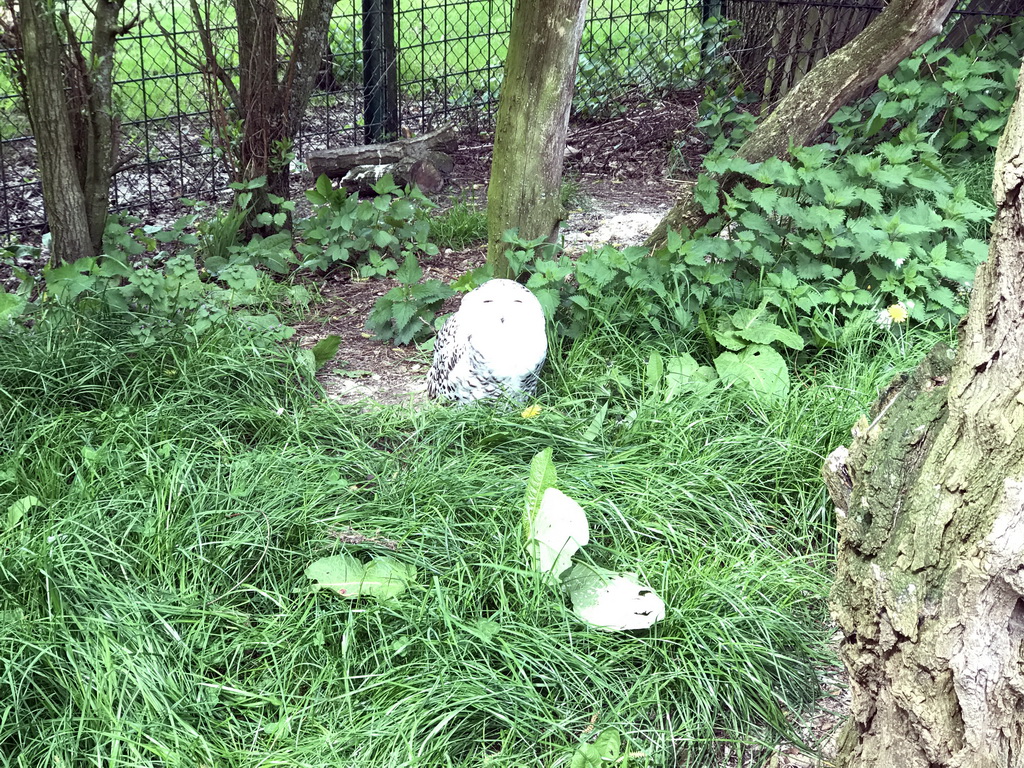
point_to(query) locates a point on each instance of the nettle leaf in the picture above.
(556, 533)
(705, 192)
(944, 296)
(410, 272)
(383, 577)
(612, 601)
(759, 368)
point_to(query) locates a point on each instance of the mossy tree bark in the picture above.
(533, 118)
(929, 592)
(886, 41)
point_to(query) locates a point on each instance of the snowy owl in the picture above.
(493, 347)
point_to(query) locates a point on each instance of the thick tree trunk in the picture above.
(895, 33)
(63, 194)
(533, 118)
(929, 592)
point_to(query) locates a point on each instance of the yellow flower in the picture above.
(531, 412)
(898, 313)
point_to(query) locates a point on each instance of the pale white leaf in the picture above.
(556, 532)
(612, 601)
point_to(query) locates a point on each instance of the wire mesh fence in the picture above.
(409, 65)
(446, 65)
(778, 41)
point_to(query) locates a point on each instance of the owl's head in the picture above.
(499, 303)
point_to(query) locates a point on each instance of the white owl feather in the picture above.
(493, 347)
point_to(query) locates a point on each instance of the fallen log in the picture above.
(408, 160)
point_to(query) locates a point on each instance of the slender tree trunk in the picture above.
(892, 36)
(102, 127)
(63, 194)
(261, 92)
(533, 118)
(929, 591)
(270, 102)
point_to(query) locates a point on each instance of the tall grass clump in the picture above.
(161, 502)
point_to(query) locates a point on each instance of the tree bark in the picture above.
(533, 117)
(886, 41)
(272, 105)
(263, 116)
(63, 194)
(929, 591)
(101, 129)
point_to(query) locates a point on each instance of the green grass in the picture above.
(153, 608)
(461, 224)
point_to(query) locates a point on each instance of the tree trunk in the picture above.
(929, 592)
(63, 195)
(263, 115)
(894, 34)
(533, 117)
(272, 105)
(100, 150)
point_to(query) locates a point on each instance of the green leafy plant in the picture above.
(382, 577)
(370, 236)
(957, 100)
(149, 275)
(556, 529)
(407, 311)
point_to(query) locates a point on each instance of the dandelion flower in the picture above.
(531, 412)
(898, 312)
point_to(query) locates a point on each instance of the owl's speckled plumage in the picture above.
(493, 347)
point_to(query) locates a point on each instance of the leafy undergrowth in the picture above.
(160, 504)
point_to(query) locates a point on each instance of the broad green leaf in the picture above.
(556, 533)
(383, 577)
(325, 349)
(542, 476)
(585, 756)
(655, 372)
(608, 744)
(324, 186)
(11, 305)
(612, 601)
(767, 332)
(683, 374)
(758, 367)
(18, 509)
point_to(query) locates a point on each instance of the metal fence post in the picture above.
(380, 81)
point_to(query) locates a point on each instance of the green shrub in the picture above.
(368, 235)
